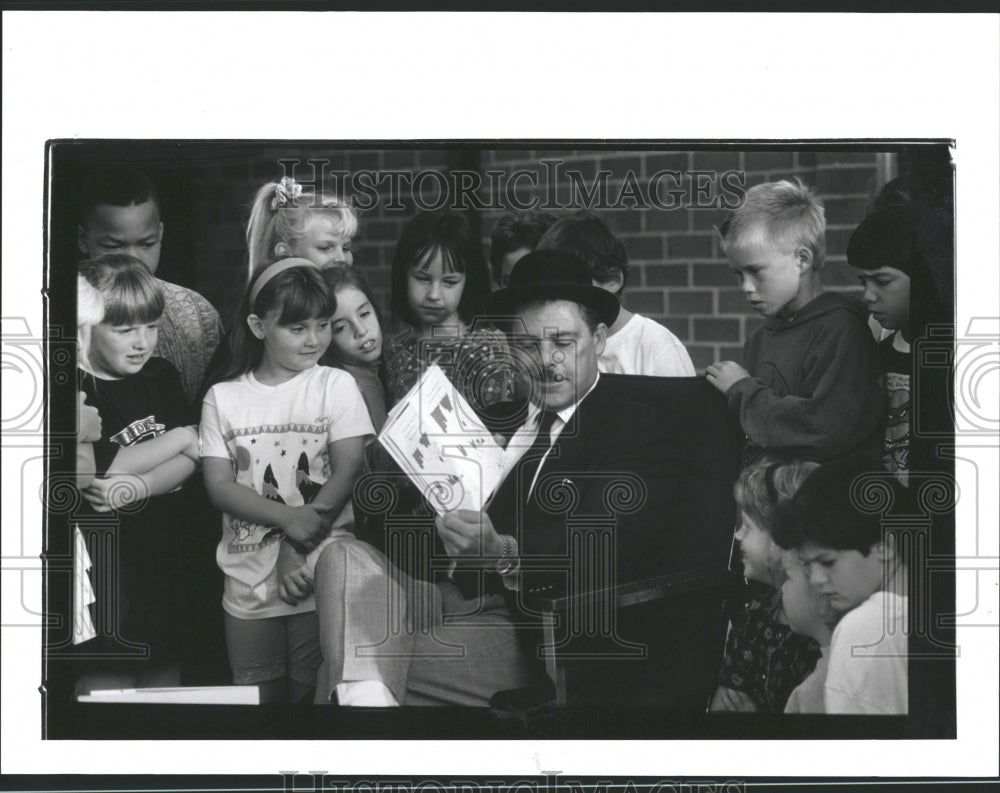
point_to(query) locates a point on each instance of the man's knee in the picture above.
(348, 552)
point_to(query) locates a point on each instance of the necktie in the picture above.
(536, 452)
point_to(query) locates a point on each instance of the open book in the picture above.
(434, 435)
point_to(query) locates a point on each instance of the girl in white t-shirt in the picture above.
(282, 447)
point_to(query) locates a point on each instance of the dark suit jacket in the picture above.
(614, 477)
(645, 466)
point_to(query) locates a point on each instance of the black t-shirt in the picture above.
(136, 408)
(147, 546)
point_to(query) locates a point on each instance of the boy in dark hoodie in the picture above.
(812, 387)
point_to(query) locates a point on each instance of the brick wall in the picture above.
(677, 274)
(223, 189)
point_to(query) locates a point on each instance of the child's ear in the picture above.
(256, 326)
(805, 259)
(282, 251)
(885, 549)
(81, 240)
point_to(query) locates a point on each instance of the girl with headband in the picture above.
(282, 447)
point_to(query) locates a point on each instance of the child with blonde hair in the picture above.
(764, 660)
(120, 213)
(811, 383)
(89, 312)
(289, 221)
(144, 451)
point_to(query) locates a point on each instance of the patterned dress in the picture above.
(480, 366)
(478, 363)
(764, 658)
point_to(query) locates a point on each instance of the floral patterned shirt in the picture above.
(478, 363)
(764, 658)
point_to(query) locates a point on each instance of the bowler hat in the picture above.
(554, 275)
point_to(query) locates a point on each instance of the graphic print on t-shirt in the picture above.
(248, 535)
(307, 487)
(138, 430)
(896, 451)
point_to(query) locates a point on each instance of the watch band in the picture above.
(508, 563)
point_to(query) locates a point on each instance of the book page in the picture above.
(442, 445)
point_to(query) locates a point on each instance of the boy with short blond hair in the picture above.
(812, 384)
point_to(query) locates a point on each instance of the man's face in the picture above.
(557, 352)
(135, 230)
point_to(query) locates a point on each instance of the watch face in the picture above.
(506, 565)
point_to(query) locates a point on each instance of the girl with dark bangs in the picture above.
(282, 446)
(439, 286)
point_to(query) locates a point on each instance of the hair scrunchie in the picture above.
(285, 193)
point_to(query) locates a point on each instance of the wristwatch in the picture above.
(508, 561)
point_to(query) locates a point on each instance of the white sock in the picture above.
(365, 694)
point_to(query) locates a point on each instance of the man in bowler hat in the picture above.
(586, 457)
(579, 439)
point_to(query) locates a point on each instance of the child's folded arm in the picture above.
(775, 422)
(346, 464)
(303, 524)
(169, 475)
(142, 457)
(117, 491)
(86, 468)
